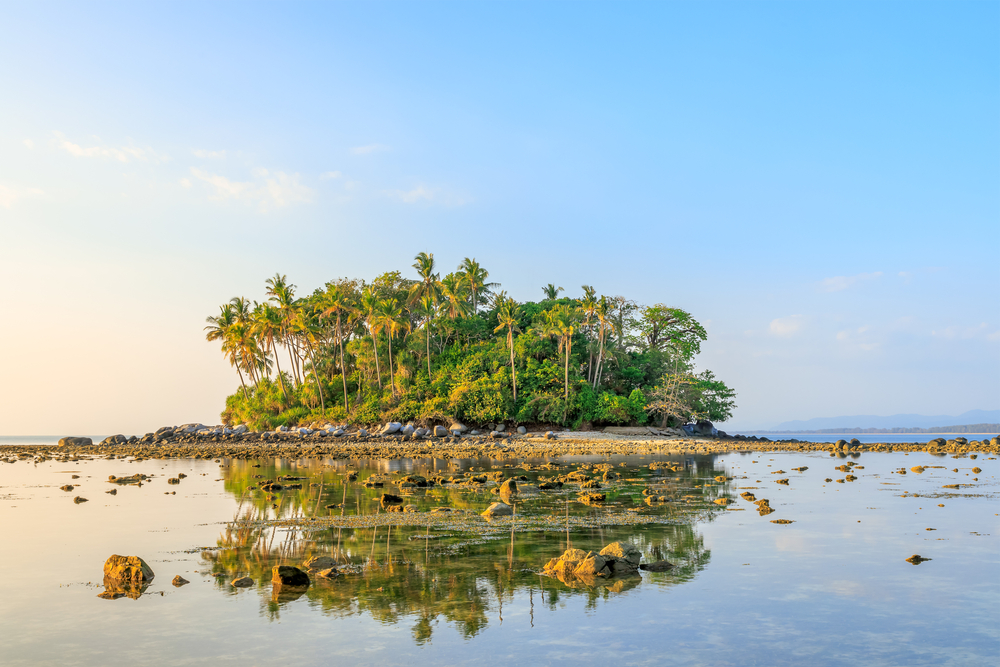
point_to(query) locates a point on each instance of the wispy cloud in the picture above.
(29, 143)
(840, 283)
(369, 149)
(10, 195)
(209, 155)
(424, 195)
(956, 332)
(327, 175)
(122, 153)
(786, 327)
(269, 190)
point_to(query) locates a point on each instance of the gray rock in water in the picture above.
(362, 432)
(622, 553)
(458, 426)
(441, 431)
(241, 582)
(318, 563)
(179, 581)
(407, 430)
(658, 566)
(474, 432)
(498, 509)
(500, 428)
(549, 435)
(522, 430)
(286, 575)
(390, 428)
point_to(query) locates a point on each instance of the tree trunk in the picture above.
(392, 374)
(569, 347)
(319, 387)
(244, 384)
(274, 348)
(375, 349)
(427, 330)
(513, 371)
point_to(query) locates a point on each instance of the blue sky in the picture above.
(818, 183)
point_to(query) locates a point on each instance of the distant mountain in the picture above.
(892, 421)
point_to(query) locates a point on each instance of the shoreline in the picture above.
(289, 445)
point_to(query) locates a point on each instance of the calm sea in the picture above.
(866, 437)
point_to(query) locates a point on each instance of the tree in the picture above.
(368, 310)
(305, 325)
(675, 396)
(715, 400)
(602, 310)
(426, 309)
(474, 278)
(561, 322)
(455, 300)
(588, 309)
(268, 326)
(282, 293)
(507, 316)
(673, 329)
(390, 319)
(552, 292)
(336, 301)
(220, 328)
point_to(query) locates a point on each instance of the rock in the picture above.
(317, 563)
(549, 435)
(113, 492)
(498, 509)
(71, 441)
(609, 476)
(66, 487)
(441, 432)
(522, 430)
(658, 566)
(79, 499)
(286, 575)
(500, 428)
(592, 498)
(130, 570)
(593, 565)
(916, 559)
(408, 430)
(179, 581)
(329, 573)
(704, 427)
(458, 426)
(241, 429)
(623, 551)
(782, 521)
(241, 582)
(508, 488)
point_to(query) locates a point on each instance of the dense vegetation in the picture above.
(458, 347)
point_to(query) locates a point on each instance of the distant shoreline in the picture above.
(967, 429)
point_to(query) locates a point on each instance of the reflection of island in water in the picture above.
(411, 574)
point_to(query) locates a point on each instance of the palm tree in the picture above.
(561, 322)
(552, 292)
(588, 306)
(603, 313)
(220, 328)
(305, 326)
(430, 282)
(474, 277)
(336, 301)
(368, 310)
(282, 293)
(507, 314)
(454, 297)
(426, 308)
(390, 318)
(269, 326)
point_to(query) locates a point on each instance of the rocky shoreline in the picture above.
(394, 441)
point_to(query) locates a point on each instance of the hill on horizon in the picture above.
(892, 421)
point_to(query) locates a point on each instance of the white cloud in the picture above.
(270, 190)
(185, 182)
(967, 333)
(122, 154)
(326, 175)
(29, 143)
(839, 283)
(425, 195)
(786, 326)
(209, 155)
(370, 148)
(10, 195)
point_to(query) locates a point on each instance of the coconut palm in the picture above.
(391, 319)
(474, 278)
(336, 301)
(507, 315)
(454, 298)
(282, 293)
(552, 292)
(602, 311)
(430, 282)
(561, 322)
(220, 328)
(426, 309)
(588, 306)
(368, 311)
(269, 326)
(305, 326)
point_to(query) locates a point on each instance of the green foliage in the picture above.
(434, 349)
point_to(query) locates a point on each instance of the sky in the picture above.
(817, 183)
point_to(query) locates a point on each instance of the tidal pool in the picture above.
(832, 587)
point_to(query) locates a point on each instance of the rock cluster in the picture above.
(616, 559)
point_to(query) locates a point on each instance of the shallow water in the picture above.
(922, 438)
(831, 588)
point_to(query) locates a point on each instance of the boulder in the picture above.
(500, 428)
(407, 430)
(179, 581)
(318, 563)
(389, 499)
(458, 426)
(522, 430)
(363, 432)
(188, 429)
(441, 432)
(164, 432)
(241, 582)
(593, 565)
(286, 575)
(130, 570)
(241, 429)
(72, 441)
(508, 489)
(658, 566)
(704, 427)
(623, 551)
(549, 435)
(498, 509)
(390, 428)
